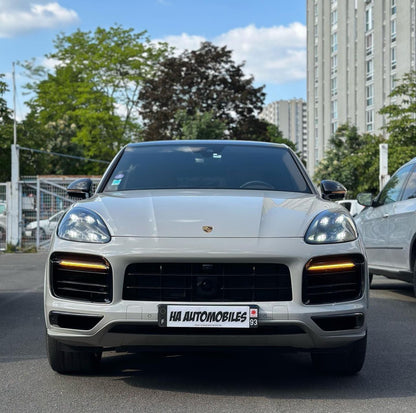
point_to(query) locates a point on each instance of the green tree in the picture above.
(6, 133)
(274, 134)
(205, 80)
(5, 113)
(93, 90)
(401, 122)
(353, 160)
(199, 125)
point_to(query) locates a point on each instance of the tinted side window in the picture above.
(392, 190)
(410, 188)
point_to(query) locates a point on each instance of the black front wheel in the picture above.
(66, 360)
(370, 279)
(414, 279)
(347, 360)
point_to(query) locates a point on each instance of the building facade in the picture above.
(290, 117)
(357, 52)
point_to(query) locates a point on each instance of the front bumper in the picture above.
(288, 324)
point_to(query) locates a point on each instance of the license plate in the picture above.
(208, 316)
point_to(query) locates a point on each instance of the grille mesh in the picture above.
(82, 284)
(329, 286)
(210, 282)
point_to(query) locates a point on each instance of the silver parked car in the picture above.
(195, 244)
(46, 226)
(388, 226)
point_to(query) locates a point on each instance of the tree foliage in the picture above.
(401, 122)
(353, 160)
(90, 98)
(199, 125)
(5, 113)
(6, 133)
(200, 81)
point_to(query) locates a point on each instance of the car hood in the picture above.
(235, 213)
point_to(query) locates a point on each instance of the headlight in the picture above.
(330, 227)
(83, 225)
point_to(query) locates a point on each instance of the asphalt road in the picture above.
(217, 382)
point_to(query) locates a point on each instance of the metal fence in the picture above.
(42, 202)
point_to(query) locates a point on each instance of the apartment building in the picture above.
(357, 52)
(290, 117)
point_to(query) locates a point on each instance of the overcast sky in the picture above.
(268, 35)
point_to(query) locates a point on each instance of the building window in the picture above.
(393, 58)
(369, 91)
(369, 43)
(393, 81)
(369, 117)
(334, 42)
(334, 109)
(393, 30)
(334, 127)
(316, 53)
(369, 69)
(334, 18)
(334, 86)
(369, 19)
(393, 7)
(334, 64)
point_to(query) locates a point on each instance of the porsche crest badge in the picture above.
(207, 228)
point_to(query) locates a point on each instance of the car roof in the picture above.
(196, 142)
(411, 161)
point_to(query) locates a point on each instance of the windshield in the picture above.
(207, 166)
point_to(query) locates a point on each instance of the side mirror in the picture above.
(365, 199)
(333, 190)
(81, 188)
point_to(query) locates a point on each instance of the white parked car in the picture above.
(194, 244)
(46, 226)
(388, 226)
(352, 205)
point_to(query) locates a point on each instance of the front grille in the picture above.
(333, 285)
(78, 283)
(208, 282)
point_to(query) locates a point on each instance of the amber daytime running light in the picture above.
(332, 267)
(85, 265)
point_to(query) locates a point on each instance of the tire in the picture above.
(370, 279)
(414, 279)
(70, 360)
(344, 361)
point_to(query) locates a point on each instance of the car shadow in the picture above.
(257, 374)
(383, 284)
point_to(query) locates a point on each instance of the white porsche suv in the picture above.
(195, 244)
(388, 226)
